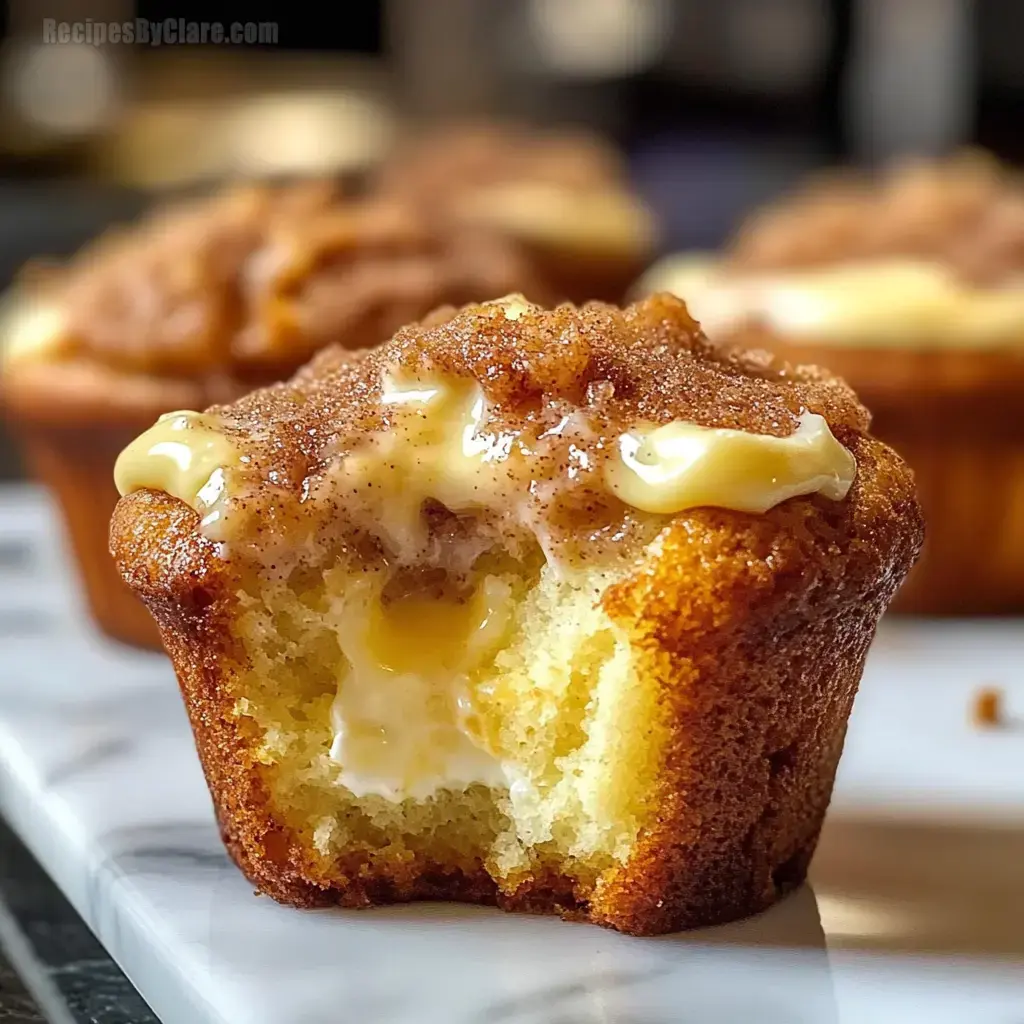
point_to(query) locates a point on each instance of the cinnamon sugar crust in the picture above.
(746, 634)
(648, 362)
(245, 286)
(965, 212)
(441, 165)
(559, 382)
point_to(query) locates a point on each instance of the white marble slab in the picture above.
(913, 913)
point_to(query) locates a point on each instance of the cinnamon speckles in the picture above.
(516, 361)
(646, 361)
(558, 388)
(599, 392)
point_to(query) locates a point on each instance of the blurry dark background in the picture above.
(720, 104)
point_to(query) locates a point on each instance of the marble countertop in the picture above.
(912, 912)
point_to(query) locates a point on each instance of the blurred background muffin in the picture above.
(562, 196)
(201, 302)
(910, 286)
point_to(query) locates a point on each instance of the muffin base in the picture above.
(76, 466)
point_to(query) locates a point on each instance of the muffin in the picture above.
(912, 289)
(562, 611)
(563, 197)
(199, 304)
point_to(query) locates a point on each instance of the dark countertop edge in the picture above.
(29, 994)
(16, 1003)
(60, 963)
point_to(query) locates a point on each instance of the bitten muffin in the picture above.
(558, 610)
(563, 198)
(201, 303)
(912, 289)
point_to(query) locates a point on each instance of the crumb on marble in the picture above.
(987, 707)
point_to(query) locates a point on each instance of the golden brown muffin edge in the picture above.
(756, 627)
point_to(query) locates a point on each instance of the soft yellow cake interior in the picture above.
(555, 698)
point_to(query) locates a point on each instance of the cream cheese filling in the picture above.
(602, 221)
(898, 303)
(185, 455)
(681, 465)
(404, 720)
(436, 448)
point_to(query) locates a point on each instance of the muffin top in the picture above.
(929, 256)
(965, 212)
(580, 428)
(246, 285)
(648, 362)
(441, 164)
(565, 190)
